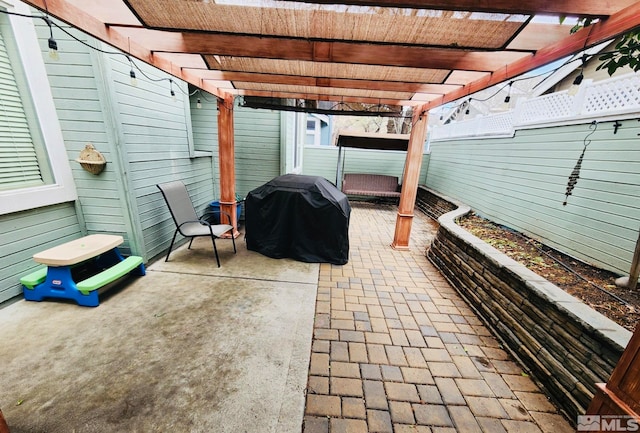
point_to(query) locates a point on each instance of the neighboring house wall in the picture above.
(154, 144)
(326, 134)
(144, 135)
(27, 230)
(258, 147)
(590, 71)
(521, 182)
(81, 100)
(146, 138)
(257, 142)
(322, 161)
(291, 141)
(22, 234)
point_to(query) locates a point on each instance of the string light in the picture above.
(132, 73)
(575, 87)
(53, 45)
(171, 92)
(198, 103)
(507, 99)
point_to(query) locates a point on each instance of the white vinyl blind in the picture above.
(19, 166)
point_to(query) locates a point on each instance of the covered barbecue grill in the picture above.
(305, 218)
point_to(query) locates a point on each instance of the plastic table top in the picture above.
(78, 250)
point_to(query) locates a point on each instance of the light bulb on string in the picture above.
(53, 49)
(171, 91)
(198, 103)
(575, 87)
(132, 73)
(53, 45)
(507, 99)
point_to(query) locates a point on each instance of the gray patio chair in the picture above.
(188, 224)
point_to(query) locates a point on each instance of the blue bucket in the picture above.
(215, 208)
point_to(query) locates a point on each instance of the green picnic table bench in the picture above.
(56, 279)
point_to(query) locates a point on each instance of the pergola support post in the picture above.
(226, 153)
(619, 399)
(410, 180)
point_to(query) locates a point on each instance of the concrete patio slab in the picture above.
(181, 349)
(200, 260)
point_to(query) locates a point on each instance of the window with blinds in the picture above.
(19, 166)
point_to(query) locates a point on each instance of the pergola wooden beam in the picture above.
(334, 98)
(275, 47)
(392, 86)
(594, 8)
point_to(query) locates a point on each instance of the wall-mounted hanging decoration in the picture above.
(575, 174)
(92, 160)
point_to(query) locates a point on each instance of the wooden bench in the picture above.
(377, 185)
(56, 279)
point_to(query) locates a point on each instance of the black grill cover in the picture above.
(305, 218)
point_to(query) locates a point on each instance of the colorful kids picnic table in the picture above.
(56, 279)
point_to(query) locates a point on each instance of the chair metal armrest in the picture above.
(201, 221)
(217, 211)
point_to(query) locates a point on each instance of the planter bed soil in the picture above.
(594, 286)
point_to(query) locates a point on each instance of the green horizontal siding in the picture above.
(24, 234)
(521, 182)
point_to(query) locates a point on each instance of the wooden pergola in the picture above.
(416, 53)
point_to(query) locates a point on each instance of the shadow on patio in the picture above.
(195, 348)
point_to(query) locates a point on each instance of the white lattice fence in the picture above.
(614, 96)
(538, 110)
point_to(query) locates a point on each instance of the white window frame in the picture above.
(62, 188)
(316, 130)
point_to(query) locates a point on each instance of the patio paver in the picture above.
(402, 351)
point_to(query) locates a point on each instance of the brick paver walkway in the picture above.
(395, 349)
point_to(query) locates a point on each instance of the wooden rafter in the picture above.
(325, 82)
(322, 51)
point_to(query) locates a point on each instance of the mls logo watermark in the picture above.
(612, 423)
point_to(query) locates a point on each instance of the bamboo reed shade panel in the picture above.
(318, 21)
(326, 70)
(283, 88)
(464, 77)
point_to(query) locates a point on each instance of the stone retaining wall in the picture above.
(566, 346)
(432, 204)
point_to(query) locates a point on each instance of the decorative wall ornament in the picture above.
(575, 174)
(92, 160)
